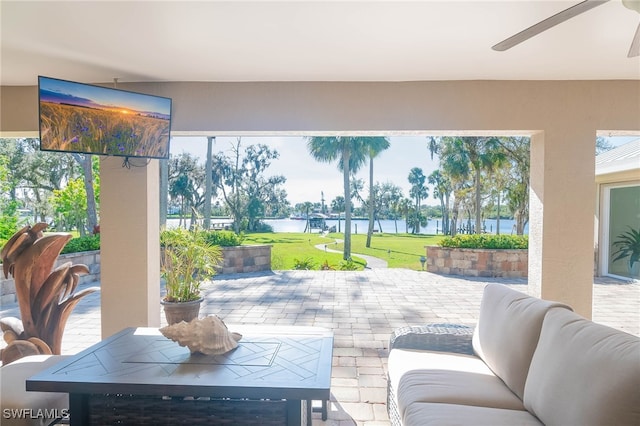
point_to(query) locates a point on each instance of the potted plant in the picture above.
(628, 245)
(187, 259)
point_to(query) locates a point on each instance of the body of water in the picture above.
(359, 226)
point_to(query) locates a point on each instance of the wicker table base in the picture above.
(151, 410)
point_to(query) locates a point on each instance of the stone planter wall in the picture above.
(89, 258)
(236, 260)
(478, 262)
(242, 259)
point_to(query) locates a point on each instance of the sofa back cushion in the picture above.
(507, 332)
(583, 373)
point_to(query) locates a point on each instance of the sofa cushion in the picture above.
(507, 332)
(583, 373)
(424, 376)
(20, 407)
(427, 414)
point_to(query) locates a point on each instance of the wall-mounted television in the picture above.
(84, 118)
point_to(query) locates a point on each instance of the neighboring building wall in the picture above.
(616, 170)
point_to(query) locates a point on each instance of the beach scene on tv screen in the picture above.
(83, 118)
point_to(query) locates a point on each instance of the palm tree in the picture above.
(337, 205)
(350, 153)
(418, 192)
(468, 157)
(391, 195)
(375, 146)
(404, 207)
(517, 150)
(442, 191)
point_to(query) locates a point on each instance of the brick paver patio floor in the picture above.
(362, 309)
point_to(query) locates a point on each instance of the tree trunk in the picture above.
(498, 218)
(406, 222)
(454, 219)
(520, 222)
(478, 203)
(92, 215)
(164, 191)
(445, 217)
(182, 213)
(347, 205)
(208, 184)
(371, 203)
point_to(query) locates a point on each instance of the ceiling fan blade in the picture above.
(550, 22)
(634, 50)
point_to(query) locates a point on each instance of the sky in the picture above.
(308, 179)
(98, 96)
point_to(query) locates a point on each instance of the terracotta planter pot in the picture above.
(175, 312)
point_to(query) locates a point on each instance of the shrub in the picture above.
(326, 267)
(8, 221)
(187, 259)
(88, 243)
(223, 238)
(486, 241)
(304, 264)
(348, 265)
(262, 227)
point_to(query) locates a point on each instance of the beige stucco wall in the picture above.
(563, 117)
(215, 108)
(129, 244)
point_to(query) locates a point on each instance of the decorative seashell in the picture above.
(43, 348)
(9, 336)
(208, 335)
(18, 349)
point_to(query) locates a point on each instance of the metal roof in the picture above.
(623, 158)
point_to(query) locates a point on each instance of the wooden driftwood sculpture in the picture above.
(46, 296)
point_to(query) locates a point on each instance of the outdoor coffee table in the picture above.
(140, 377)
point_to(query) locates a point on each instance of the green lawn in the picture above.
(399, 250)
(288, 247)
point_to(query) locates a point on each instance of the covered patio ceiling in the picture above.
(299, 40)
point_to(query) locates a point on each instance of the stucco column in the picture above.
(129, 244)
(562, 196)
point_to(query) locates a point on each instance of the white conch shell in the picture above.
(208, 335)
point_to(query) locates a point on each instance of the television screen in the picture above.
(77, 117)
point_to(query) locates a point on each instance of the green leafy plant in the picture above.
(348, 265)
(304, 264)
(8, 221)
(187, 260)
(326, 266)
(224, 238)
(627, 244)
(79, 244)
(486, 241)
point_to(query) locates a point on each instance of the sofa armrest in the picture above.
(434, 337)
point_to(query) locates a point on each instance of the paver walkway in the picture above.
(362, 308)
(372, 262)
